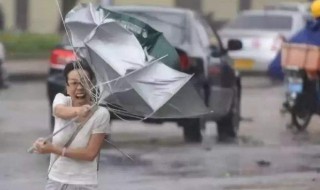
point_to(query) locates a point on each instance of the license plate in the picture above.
(242, 64)
(295, 87)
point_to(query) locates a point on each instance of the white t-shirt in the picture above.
(72, 171)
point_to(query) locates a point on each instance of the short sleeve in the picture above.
(102, 124)
(60, 99)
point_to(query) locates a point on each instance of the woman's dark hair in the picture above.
(80, 64)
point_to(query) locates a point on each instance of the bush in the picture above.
(25, 45)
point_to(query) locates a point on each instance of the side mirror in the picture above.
(234, 45)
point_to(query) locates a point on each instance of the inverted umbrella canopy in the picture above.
(143, 92)
(81, 20)
(134, 66)
(150, 39)
(118, 47)
(166, 92)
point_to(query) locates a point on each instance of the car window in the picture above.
(303, 8)
(283, 7)
(203, 35)
(262, 22)
(210, 38)
(172, 25)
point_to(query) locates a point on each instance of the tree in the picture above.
(67, 5)
(22, 14)
(2, 19)
(190, 4)
(245, 5)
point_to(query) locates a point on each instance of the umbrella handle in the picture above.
(31, 150)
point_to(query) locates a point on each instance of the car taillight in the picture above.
(60, 57)
(277, 43)
(184, 61)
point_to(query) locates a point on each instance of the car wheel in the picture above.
(192, 130)
(228, 127)
(303, 108)
(301, 119)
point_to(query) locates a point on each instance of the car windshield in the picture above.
(262, 22)
(172, 25)
(282, 7)
(206, 34)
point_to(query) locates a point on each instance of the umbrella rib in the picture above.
(152, 62)
(127, 114)
(123, 153)
(64, 25)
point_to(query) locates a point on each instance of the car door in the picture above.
(220, 75)
(217, 55)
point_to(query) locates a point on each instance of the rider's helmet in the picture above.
(315, 8)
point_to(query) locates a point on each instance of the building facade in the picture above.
(43, 15)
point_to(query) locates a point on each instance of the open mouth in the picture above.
(80, 95)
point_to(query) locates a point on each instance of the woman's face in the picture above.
(76, 87)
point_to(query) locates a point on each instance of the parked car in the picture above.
(299, 7)
(262, 32)
(214, 77)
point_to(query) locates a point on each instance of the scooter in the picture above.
(302, 97)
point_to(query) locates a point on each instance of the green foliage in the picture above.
(26, 45)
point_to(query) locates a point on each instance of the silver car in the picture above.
(262, 32)
(300, 7)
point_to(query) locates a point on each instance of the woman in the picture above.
(74, 166)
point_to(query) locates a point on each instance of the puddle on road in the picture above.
(294, 137)
(210, 142)
(120, 160)
(305, 168)
(181, 173)
(282, 186)
(263, 167)
(248, 140)
(128, 140)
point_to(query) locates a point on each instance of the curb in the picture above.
(26, 70)
(23, 77)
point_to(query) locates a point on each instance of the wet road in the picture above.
(266, 156)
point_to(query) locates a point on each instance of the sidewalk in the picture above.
(25, 70)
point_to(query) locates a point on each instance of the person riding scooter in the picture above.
(308, 35)
(302, 84)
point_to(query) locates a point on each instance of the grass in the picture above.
(27, 45)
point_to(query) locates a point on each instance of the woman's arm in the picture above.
(67, 112)
(88, 153)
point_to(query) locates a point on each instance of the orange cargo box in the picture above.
(301, 56)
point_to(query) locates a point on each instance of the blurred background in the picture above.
(40, 19)
(265, 151)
